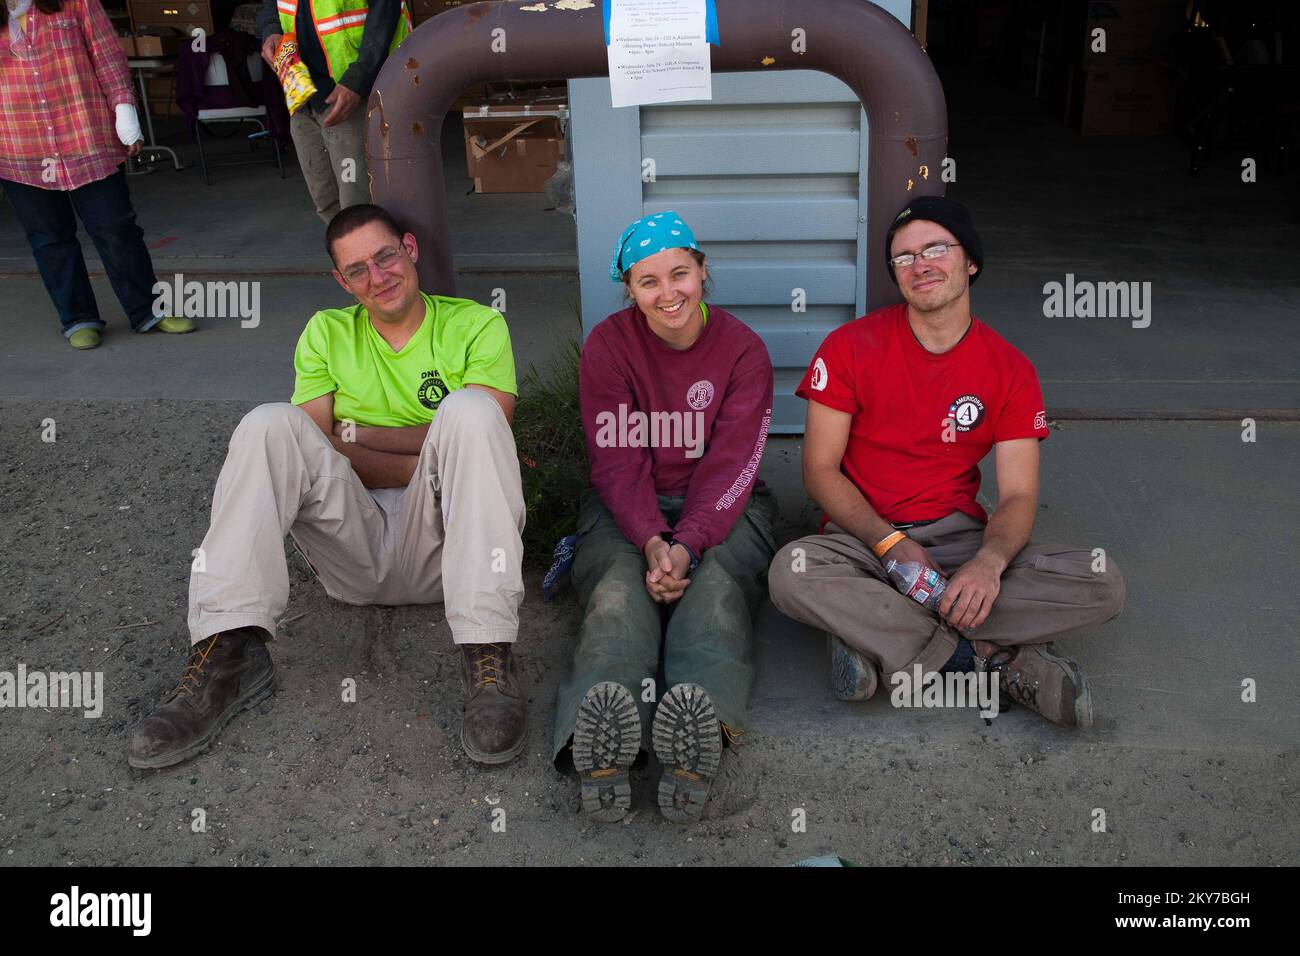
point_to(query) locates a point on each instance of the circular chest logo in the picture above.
(700, 394)
(432, 390)
(967, 411)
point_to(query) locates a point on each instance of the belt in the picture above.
(913, 524)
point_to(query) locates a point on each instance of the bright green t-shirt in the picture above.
(459, 343)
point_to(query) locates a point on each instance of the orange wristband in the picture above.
(887, 542)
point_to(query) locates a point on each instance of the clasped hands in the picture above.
(666, 568)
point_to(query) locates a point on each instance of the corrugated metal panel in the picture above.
(768, 174)
(772, 191)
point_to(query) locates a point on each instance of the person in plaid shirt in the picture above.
(68, 123)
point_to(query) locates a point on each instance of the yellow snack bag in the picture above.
(295, 80)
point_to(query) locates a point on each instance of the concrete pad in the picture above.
(250, 220)
(1217, 253)
(223, 360)
(1211, 600)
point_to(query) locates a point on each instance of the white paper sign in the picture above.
(658, 52)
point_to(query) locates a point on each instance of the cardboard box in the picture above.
(1127, 100)
(128, 45)
(510, 150)
(157, 46)
(1133, 28)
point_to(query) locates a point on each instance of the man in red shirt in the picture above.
(902, 405)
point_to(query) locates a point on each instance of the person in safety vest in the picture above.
(343, 43)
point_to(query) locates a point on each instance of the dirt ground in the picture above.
(97, 536)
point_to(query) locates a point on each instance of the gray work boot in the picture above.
(688, 741)
(492, 729)
(1041, 678)
(606, 740)
(226, 673)
(853, 677)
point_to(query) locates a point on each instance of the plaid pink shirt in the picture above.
(57, 127)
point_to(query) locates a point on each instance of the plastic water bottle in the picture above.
(922, 584)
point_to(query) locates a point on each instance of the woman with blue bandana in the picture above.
(675, 530)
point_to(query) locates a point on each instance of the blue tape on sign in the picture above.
(710, 21)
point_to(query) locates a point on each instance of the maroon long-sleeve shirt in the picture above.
(664, 421)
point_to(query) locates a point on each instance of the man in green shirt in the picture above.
(394, 470)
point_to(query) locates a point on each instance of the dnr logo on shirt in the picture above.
(432, 390)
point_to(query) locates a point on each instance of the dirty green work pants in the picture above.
(705, 638)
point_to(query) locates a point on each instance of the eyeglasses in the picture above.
(384, 259)
(936, 250)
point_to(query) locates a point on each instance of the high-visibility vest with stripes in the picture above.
(340, 24)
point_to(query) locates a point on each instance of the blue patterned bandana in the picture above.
(648, 235)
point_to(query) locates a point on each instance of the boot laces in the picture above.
(488, 665)
(1013, 680)
(194, 669)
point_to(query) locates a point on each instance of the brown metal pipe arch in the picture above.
(855, 41)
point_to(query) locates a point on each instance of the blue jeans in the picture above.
(49, 217)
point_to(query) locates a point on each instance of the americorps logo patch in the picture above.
(432, 390)
(967, 411)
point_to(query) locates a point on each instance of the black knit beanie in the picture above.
(948, 213)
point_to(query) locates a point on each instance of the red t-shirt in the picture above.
(921, 421)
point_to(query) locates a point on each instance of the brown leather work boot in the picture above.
(227, 673)
(492, 730)
(1039, 677)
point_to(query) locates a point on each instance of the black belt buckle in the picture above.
(913, 524)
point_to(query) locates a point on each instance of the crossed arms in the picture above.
(383, 456)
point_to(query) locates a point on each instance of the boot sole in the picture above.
(688, 741)
(844, 672)
(606, 740)
(254, 696)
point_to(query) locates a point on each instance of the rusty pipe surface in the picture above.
(859, 43)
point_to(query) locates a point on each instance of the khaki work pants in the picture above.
(452, 535)
(835, 582)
